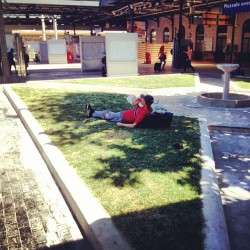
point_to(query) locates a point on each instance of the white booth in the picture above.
(91, 48)
(57, 51)
(122, 54)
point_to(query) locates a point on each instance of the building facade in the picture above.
(209, 41)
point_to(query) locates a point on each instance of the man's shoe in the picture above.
(89, 110)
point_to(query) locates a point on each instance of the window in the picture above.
(166, 35)
(221, 38)
(246, 37)
(152, 36)
(199, 37)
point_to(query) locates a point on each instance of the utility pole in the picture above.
(4, 59)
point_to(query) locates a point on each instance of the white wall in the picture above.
(122, 54)
(91, 48)
(57, 52)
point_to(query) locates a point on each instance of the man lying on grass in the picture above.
(127, 118)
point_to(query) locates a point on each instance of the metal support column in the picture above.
(232, 43)
(179, 36)
(43, 28)
(132, 22)
(4, 59)
(55, 28)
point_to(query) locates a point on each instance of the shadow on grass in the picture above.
(174, 226)
(156, 144)
(165, 227)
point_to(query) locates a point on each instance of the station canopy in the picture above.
(98, 12)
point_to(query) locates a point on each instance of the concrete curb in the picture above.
(215, 231)
(237, 89)
(90, 215)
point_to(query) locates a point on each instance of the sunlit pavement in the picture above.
(33, 213)
(26, 184)
(232, 157)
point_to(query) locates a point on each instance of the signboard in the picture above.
(139, 27)
(236, 7)
(215, 19)
(92, 50)
(91, 3)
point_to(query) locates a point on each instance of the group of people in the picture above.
(11, 59)
(186, 58)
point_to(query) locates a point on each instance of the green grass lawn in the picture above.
(150, 189)
(242, 82)
(149, 82)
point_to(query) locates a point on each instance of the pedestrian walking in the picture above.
(162, 56)
(11, 59)
(187, 57)
(26, 59)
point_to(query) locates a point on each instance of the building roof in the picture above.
(93, 12)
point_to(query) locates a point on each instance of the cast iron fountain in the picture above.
(225, 99)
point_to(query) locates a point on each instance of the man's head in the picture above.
(12, 50)
(149, 100)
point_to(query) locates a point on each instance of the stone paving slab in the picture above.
(33, 213)
(232, 157)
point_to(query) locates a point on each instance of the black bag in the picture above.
(157, 67)
(157, 120)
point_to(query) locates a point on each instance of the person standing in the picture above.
(26, 59)
(162, 56)
(104, 63)
(11, 59)
(187, 57)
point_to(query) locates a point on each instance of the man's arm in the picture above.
(126, 125)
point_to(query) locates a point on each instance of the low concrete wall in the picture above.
(90, 215)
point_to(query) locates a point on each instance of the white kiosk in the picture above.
(91, 48)
(122, 54)
(57, 51)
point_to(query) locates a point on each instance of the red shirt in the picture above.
(135, 115)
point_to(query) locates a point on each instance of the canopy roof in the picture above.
(93, 12)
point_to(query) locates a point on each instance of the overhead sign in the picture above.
(236, 6)
(90, 3)
(216, 19)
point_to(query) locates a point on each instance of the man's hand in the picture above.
(136, 102)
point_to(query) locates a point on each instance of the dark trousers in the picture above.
(164, 63)
(187, 64)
